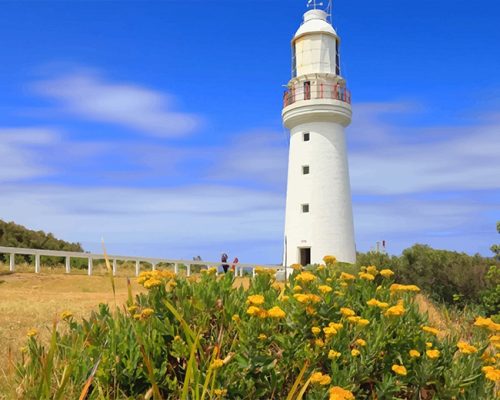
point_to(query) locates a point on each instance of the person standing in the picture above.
(233, 267)
(223, 259)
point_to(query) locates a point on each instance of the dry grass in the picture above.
(33, 301)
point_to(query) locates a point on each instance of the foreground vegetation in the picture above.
(332, 333)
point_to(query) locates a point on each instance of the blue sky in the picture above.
(157, 126)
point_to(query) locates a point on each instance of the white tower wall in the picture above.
(317, 104)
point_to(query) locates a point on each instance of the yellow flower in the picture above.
(252, 310)
(319, 378)
(256, 299)
(355, 352)
(372, 269)
(386, 273)
(329, 331)
(366, 276)
(284, 298)
(491, 373)
(376, 303)
(414, 354)
(329, 280)
(329, 260)
(332, 354)
(361, 342)
(66, 314)
(431, 330)
(347, 277)
(466, 348)
(297, 288)
(428, 345)
(324, 289)
(310, 310)
(296, 267)
(301, 298)
(399, 369)
(433, 354)
(314, 298)
(363, 322)
(132, 309)
(153, 282)
(336, 325)
(395, 311)
(146, 313)
(305, 277)
(220, 392)
(319, 342)
(347, 312)
(315, 330)
(487, 323)
(337, 393)
(354, 319)
(395, 287)
(262, 337)
(236, 318)
(32, 332)
(217, 363)
(265, 271)
(320, 267)
(276, 312)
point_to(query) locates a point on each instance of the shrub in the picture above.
(328, 334)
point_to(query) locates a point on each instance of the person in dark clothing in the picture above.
(223, 259)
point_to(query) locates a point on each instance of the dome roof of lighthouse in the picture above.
(315, 22)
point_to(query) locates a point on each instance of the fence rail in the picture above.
(90, 257)
(316, 91)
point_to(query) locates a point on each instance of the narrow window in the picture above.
(306, 136)
(305, 169)
(294, 61)
(307, 90)
(305, 208)
(337, 59)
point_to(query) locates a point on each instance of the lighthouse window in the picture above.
(307, 90)
(306, 136)
(305, 208)
(305, 169)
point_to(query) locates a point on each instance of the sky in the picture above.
(156, 125)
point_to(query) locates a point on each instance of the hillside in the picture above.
(14, 235)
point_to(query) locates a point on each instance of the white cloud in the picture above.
(21, 151)
(405, 159)
(88, 95)
(161, 222)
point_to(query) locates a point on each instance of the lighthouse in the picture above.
(316, 110)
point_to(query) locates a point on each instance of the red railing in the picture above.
(317, 91)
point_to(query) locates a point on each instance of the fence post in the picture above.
(12, 262)
(89, 269)
(188, 270)
(68, 264)
(37, 263)
(153, 266)
(176, 268)
(114, 267)
(137, 267)
(253, 273)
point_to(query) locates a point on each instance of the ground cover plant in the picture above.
(331, 333)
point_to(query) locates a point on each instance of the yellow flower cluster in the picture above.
(347, 277)
(255, 299)
(431, 330)
(257, 312)
(329, 260)
(32, 332)
(338, 393)
(217, 363)
(395, 311)
(366, 276)
(399, 369)
(433, 354)
(347, 312)
(386, 273)
(320, 379)
(414, 353)
(265, 271)
(209, 271)
(332, 354)
(466, 348)
(377, 303)
(307, 298)
(487, 323)
(324, 289)
(396, 288)
(151, 279)
(146, 313)
(66, 315)
(276, 312)
(220, 392)
(305, 277)
(491, 373)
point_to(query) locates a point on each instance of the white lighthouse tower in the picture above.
(317, 108)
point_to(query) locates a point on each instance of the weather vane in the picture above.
(314, 4)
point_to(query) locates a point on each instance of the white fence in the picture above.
(90, 257)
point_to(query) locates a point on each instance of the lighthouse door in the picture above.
(305, 255)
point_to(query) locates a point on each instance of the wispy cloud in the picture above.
(21, 152)
(408, 159)
(89, 95)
